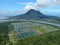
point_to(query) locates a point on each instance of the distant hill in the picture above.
(33, 14)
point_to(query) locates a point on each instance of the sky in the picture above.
(16, 7)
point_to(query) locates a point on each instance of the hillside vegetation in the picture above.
(51, 38)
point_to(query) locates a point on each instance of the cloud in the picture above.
(41, 3)
(3, 11)
(57, 2)
(15, 12)
(28, 7)
(26, 3)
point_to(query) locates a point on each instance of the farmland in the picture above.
(31, 33)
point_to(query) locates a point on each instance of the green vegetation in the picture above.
(40, 29)
(51, 38)
(4, 30)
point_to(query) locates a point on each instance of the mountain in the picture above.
(33, 14)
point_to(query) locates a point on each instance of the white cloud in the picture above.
(28, 7)
(3, 11)
(57, 2)
(40, 3)
(48, 2)
(26, 3)
(43, 3)
(15, 12)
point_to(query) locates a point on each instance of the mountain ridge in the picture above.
(33, 14)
